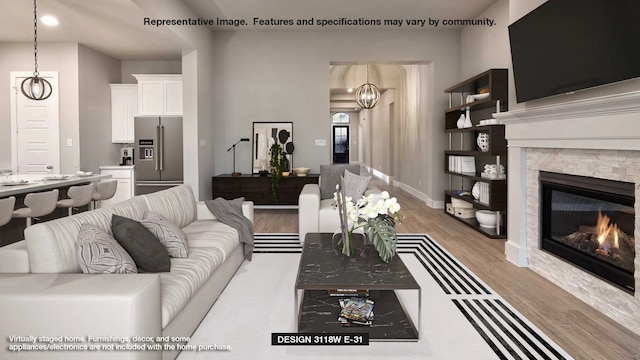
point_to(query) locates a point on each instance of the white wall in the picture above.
(59, 57)
(483, 47)
(284, 76)
(95, 72)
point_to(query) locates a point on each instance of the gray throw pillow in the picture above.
(99, 253)
(144, 248)
(170, 235)
(330, 177)
(355, 185)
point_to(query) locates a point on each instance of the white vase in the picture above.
(483, 141)
(460, 122)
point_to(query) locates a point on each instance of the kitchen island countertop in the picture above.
(37, 183)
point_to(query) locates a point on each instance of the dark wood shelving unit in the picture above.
(496, 82)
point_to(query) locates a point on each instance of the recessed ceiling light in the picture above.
(350, 90)
(49, 20)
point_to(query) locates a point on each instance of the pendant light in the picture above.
(35, 87)
(367, 95)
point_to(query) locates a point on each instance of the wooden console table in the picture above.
(258, 188)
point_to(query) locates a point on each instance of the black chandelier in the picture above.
(367, 95)
(35, 87)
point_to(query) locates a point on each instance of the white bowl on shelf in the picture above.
(301, 171)
(481, 96)
(486, 218)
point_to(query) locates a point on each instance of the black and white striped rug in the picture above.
(507, 332)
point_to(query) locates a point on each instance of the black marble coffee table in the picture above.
(323, 268)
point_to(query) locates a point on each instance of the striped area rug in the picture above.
(507, 332)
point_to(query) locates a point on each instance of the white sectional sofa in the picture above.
(44, 293)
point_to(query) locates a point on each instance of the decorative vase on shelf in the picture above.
(467, 121)
(483, 141)
(460, 122)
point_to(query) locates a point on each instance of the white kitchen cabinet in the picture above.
(124, 108)
(159, 94)
(125, 177)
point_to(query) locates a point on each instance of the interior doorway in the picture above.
(340, 144)
(35, 132)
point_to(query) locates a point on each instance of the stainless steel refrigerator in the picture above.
(158, 151)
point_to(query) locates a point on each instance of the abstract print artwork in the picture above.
(265, 134)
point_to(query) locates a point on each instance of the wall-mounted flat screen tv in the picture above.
(568, 45)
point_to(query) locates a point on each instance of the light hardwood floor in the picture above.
(578, 328)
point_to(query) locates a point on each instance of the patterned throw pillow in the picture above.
(144, 248)
(355, 185)
(330, 176)
(169, 234)
(99, 253)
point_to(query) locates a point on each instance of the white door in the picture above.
(35, 132)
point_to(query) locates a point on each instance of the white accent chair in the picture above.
(78, 196)
(104, 190)
(38, 204)
(315, 210)
(6, 209)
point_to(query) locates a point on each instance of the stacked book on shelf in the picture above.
(462, 164)
(483, 193)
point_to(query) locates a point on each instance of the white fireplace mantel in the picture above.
(597, 137)
(608, 122)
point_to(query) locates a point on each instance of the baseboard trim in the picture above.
(434, 204)
(515, 254)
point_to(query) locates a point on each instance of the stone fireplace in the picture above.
(590, 222)
(596, 139)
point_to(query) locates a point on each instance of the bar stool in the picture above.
(38, 204)
(104, 190)
(78, 196)
(6, 209)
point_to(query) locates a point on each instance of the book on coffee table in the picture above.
(349, 292)
(357, 309)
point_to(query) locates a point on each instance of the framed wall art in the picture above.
(265, 134)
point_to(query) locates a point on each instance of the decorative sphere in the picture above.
(483, 141)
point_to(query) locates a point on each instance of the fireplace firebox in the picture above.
(589, 222)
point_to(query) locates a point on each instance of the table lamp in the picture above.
(234, 173)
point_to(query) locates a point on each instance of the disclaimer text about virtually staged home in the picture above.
(321, 23)
(92, 343)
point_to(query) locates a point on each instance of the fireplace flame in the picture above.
(607, 235)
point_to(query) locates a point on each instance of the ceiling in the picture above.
(116, 28)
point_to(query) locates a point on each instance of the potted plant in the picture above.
(377, 214)
(277, 164)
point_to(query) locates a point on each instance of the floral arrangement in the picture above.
(377, 214)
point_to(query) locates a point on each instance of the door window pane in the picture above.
(340, 118)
